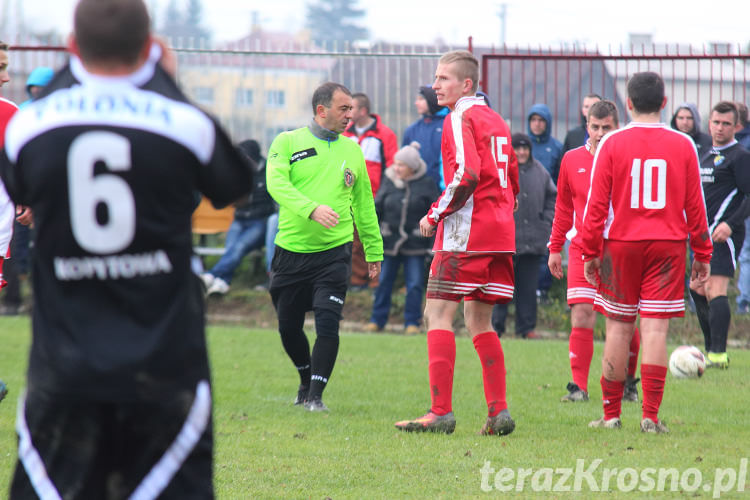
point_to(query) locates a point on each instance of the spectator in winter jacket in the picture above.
(743, 127)
(742, 135)
(687, 120)
(35, 83)
(577, 137)
(377, 141)
(248, 229)
(378, 144)
(404, 197)
(536, 209)
(546, 149)
(427, 131)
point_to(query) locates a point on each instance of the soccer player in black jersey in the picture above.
(725, 172)
(118, 402)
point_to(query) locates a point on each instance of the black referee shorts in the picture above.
(724, 258)
(89, 449)
(307, 281)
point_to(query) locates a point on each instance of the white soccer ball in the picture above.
(687, 361)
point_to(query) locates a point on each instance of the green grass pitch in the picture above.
(268, 448)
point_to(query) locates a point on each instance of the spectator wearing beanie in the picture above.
(536, 209)
(428, 132)
(404, 197)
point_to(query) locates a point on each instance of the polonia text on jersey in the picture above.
(112, 267)
(72, 100)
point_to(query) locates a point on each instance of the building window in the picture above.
(203, 95)
(275, 99)
(244, 97)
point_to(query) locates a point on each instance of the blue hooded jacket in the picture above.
(743, 137)
(39, 77)
(428, 131)
(545, 148)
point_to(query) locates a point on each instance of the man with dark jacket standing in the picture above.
(428, 131)
(577, 137)
(743, 127)
(687, 120)
(248, 229)
(546, 149)
(536, 209)
(742, 134)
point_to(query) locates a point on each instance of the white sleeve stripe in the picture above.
(722, 209)
(195, 425)
(450, 189)
(29, 457)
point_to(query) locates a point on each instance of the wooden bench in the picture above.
(208, 223)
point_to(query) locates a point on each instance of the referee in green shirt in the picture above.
(320, 182)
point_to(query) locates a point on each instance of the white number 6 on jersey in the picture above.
(87, 191)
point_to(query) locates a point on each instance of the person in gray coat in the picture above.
(536, 209)
(405, 195)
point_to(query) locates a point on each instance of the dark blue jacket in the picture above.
(258, 204)
(545, 148)
(428, 131)
(743, 137)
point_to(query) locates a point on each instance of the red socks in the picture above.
(441, 353)
(635, 346)
(581, 350)
(612, 397)
(491, 355)
(652, 381)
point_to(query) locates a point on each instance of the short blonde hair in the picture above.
(466, 66)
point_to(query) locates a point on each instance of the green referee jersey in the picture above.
(303, 172)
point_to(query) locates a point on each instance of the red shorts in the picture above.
(641, 277)
(486, 277)
(580, 291)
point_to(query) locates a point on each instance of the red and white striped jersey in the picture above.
(7, 110)
(645, 185)
(475, 211)
(7, 208)
(572, 190)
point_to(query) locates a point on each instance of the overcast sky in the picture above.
(528, 22)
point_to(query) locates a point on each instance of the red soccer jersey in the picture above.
(7, 110)
(7, 209)
(645, 185)
(572, 190)
(379, 145)
(475, 211)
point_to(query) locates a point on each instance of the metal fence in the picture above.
(262, 85)
(516, 79)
